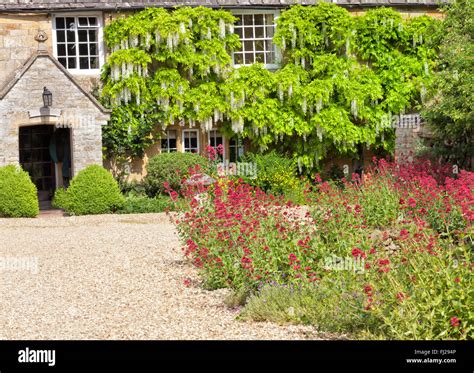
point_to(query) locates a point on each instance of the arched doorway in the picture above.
(45, 153)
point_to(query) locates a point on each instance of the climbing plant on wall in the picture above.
(341, 78)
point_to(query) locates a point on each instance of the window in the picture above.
(78, 42)
(236, 149)
(168, 142)
(216, 139)
(256, 32)
(191, 141)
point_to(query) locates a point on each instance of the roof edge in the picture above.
(40, 54)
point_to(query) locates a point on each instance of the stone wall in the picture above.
(17, 40)
(18, 44)
(77, 111)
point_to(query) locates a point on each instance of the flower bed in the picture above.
(388, 256)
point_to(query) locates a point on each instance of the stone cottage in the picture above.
(51, 54)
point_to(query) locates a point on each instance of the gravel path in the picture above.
(111, 277)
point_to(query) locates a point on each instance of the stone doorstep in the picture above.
(51, 213)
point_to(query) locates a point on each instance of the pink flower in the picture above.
(455, 322)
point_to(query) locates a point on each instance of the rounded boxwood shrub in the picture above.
(92, 191)
(171, 168)
(18, 194)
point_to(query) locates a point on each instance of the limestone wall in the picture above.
(76, 109)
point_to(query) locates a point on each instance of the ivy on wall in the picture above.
(341, 78)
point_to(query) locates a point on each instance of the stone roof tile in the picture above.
(25, 5)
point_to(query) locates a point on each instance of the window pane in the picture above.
(71, 49)
(60, 23)
(269, 19)
(83, 21)
(260, 45)
(270, 58)
(94, 62)
(259, 57)
(239, 20)
(84, 63)
(259, 32)
(248, 45)
(60, 36)
(270, 31)
(92, 21)
(238, 31)
(83, 50)
(248, 32)
(93, 50)
(248, 19)
(70, 23)
(61, 49)
(62, 61)
(71, 36)
(93, 35)
(269, 46)
(71, 63)
(258, 19)
(238, 58)
(82, 35)
(249, 58)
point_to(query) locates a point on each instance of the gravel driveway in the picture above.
(111, 277)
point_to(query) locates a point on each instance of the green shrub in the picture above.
(132, 188)
(335, 306)
(171, 168)
(92, 191)
(276, 174)
(59, 198)
(18, 194)
(143, 205)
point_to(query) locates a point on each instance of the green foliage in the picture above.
(92, 191)
(164, 67)
(275, 173)
(18, 194)
(341, 79)
(171, 168)
(59, 199)
(331, 305)
(144, 205)
(450, 110)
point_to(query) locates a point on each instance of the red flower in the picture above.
(455, 322)
(187, 282)
(411, 202)
(457, 280)
(401, 296)
(404, 234)
(368, 290)
(384, 262)
(356, 252)
(292, 257)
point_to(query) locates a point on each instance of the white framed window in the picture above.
(191, 141)
(215, 138)
(256, 29)
(78, 42)
(169, 142)
(236, 148)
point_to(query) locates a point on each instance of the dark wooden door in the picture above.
(35, 158)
